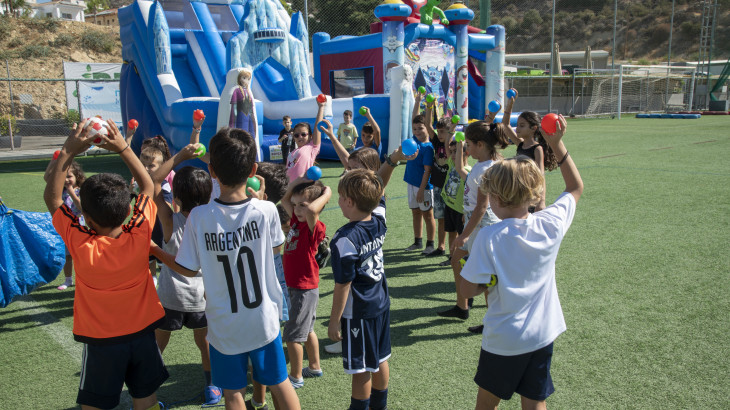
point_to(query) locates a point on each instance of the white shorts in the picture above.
(427, 198)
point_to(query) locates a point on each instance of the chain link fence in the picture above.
(41, 107)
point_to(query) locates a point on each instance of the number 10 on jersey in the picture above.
(245, 266)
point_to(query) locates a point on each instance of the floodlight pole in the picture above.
(552, 61)
(613, 46)
(669, 59)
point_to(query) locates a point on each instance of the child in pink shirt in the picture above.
(308, 145)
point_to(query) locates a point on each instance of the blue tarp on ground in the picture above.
(32, 253)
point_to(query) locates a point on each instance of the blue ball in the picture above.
(511, 93)
(409, 147)
(494, 106)
(314, 173)
(321, 125)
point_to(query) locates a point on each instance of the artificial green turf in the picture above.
(642, 276)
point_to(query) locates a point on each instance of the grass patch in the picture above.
(642, 276)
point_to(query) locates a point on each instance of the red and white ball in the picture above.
(98, 127)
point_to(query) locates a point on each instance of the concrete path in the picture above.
(39, 148)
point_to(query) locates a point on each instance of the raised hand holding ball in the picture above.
(549, 123)
(459, 136)
(455, 119)
(408, 147)
(494, 106)
(511, 93)
(363, 111)
(98, 127)
(253, 183)
(198, 115)
(430, 98)
(422, 90)
(132, 124)
(200, 151)
(321, 98)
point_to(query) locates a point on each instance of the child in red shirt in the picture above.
(304, 200)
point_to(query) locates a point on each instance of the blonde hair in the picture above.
(368, 157)
(363, 186)
(516, 181)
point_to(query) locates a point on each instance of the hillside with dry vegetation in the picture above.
(37, 48)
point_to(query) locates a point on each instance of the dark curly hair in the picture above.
(533, 120)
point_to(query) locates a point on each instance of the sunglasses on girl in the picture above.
(303, 134)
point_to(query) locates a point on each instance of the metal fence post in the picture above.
(10, 131)
(10, 87)
(78, 98)
(620, 86)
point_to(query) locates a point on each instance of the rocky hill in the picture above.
(37, 48)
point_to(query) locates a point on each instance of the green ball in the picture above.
(455, 119)
(422, 90)
(200, 151)
(459, 136)
(253, 183)
(363, 111)
(430, 98)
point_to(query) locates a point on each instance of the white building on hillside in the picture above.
(72, 10)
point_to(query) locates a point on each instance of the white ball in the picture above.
(98, 126)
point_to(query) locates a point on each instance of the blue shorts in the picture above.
(526, 374)
(268, 362)
(365, 343)
(106, 368)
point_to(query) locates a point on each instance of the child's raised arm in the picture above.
(417, 96)
(77, 142)
(459, 160)
(164, 213)
(195, 134)
(391, 161)
(508, 108)
(115, 143)
(573, 181)
(374, 124)
(317, 137)
(316, 206)
(429, 120)
(342, 153)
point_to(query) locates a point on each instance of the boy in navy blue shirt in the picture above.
(420, 190)
(361, 305)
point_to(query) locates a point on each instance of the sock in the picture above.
(208, 378)
(418, 241)
(429, 243)
(257, 404)
(378, 399)
(356, 404)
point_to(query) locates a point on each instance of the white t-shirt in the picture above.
(231, 243)
(524, 312)
(178, 292)
(471, 187)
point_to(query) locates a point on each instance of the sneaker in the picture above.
(476, 329)
(296, 383)
(212, 395)
(447, 262)
(250, 406)
(471, 302)
(307, 372)
(428, 250)
(435, 252)
(323, 252)
(415, 247)
(65, 285)
(334, 348)
(455, 312)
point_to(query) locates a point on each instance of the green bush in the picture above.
(4, 130)
(43, 24)
(97, 41)
(35, 51)
(62, 40)
(72, 117)
(6, 25)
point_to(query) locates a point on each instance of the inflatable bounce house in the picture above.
(245, 63)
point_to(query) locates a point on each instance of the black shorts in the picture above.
(526, 374)
(175, 320)
(105, 369)
(365, 343)
(453, 221)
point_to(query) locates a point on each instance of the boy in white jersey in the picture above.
(231, 241)
(361, 305)
(516, 257)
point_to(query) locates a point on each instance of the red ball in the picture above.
(548, 123)
(198, 115)
(56, 154)
(132, 124)
(321, 98)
